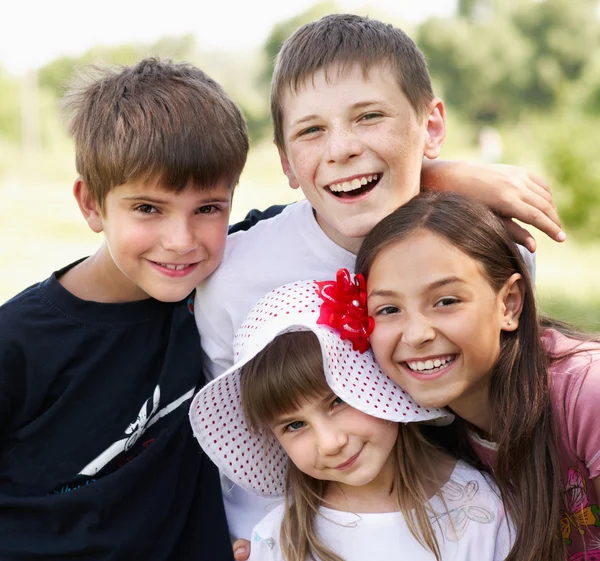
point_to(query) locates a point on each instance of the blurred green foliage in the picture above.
(529, 68)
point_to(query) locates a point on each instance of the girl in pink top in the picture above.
(456, 325)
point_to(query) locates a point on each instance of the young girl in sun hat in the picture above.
(305, 414)
(456, 325)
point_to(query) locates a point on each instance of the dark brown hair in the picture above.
(346, 40)
(278, 380)
(527, 467)
(157, 120)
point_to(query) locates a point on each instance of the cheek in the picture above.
(213, 237)
(298, 451)
(389, 434)
(302, 161)
(382, 343)
(130, 237)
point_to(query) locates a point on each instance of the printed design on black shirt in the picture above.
(148, 415)
(190, 302)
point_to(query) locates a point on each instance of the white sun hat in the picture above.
(335, 311)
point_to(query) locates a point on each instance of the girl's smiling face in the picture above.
(328, 439)
(438, 322)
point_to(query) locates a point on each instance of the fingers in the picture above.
(540, 182)
(538, 213)
(241, 550)
(520, 235)
(537, 185)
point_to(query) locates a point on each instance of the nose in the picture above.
(330, 438)
(342, 145)
(418, 330)
(179, 237)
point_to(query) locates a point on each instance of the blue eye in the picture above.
(309, 130)
(295, 426)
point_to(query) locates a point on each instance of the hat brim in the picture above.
(255, 460)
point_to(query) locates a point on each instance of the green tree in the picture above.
(55, 75)
(500, 58)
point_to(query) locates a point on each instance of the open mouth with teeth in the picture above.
(430, 366)
(356, 187)
(175, 267)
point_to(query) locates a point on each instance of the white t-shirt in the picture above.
(285, 248)
(476, 529)
(288, 247)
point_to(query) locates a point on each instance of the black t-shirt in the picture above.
(97, 457)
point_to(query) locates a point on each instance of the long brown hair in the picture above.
(527, 468)
(278, 380)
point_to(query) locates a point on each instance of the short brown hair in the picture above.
(157, 119)
(345, 40)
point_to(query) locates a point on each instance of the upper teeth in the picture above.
(429, 364)
(352, 185)
(173, 267)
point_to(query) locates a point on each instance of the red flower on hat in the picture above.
(344, 308)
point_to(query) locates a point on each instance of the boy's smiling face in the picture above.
(355, 145)
(158, 243)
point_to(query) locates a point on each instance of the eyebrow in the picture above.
(357, 105)
(154, 200)
(303, 120)
(432, 286)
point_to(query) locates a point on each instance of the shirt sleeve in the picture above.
(583, 414)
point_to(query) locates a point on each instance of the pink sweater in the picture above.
(575, 391)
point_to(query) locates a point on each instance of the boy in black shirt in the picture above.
(98, 363)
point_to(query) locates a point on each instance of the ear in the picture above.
(88, 205)
(285, 166)
(512, 295)
(436, 129)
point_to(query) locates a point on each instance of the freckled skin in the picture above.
(356, 125)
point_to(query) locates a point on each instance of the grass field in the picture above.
(41, 230)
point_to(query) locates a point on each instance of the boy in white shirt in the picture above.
(355, 121)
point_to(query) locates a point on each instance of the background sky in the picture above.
(33, 32)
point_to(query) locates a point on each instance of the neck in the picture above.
(475, 407)
(98, 279)
(350, 244)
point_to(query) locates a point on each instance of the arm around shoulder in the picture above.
(511, 191)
